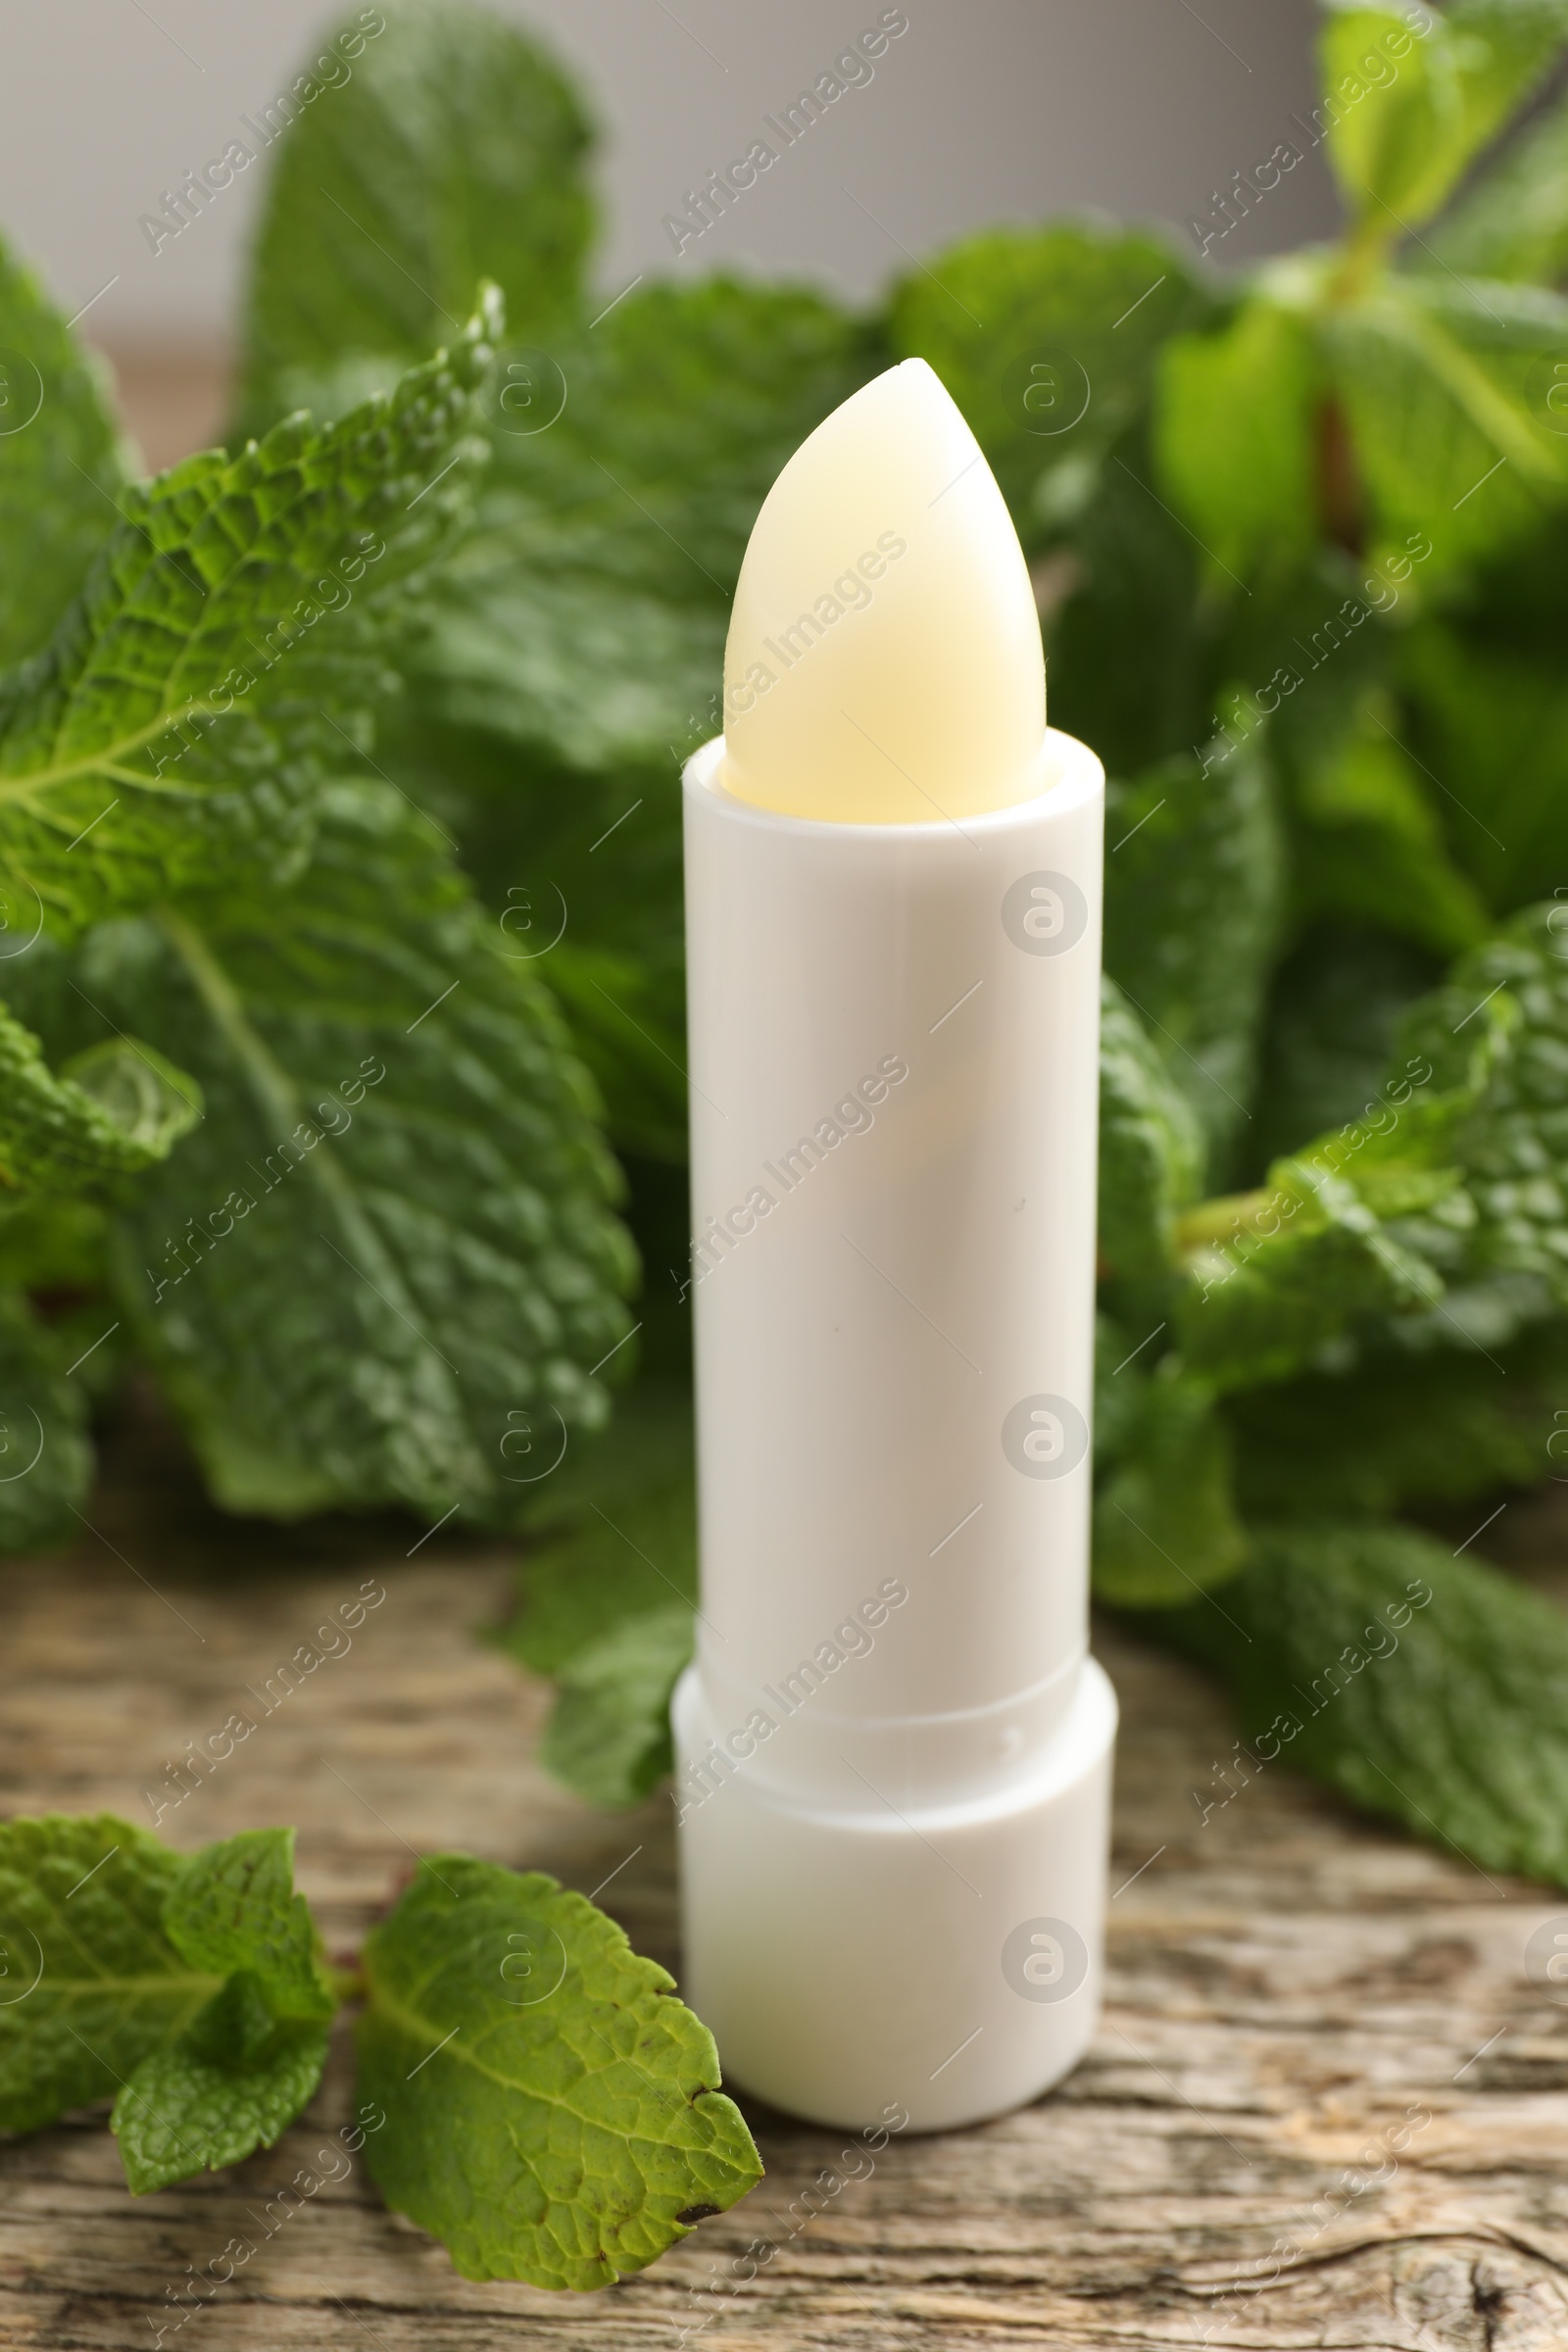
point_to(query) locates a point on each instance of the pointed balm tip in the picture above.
(884, 662)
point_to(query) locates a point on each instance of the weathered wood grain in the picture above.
(1289, 1986)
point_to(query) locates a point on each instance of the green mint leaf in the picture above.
(1514, 223)
(608, 1736)
(1047, 339)
(1192, 919)
(1339, 1235)
(448, 100)
(1367, 845)
(1164, 1522)
(1128, 570)
(607, 1608)
(1405, 1425)
(627, 1014)
(1334, 1025)
(1151, 1147)
(650, 1447)
(1491, 719)
(1234, 437)
(234, 1907)
(585, 617)
(632, 1545)
(1419, 1686)
(92, 1983)
(63, 466)
(385, 1266)
(551, 2112)
(1411, 101)
(118, 1108)
(233, 2082)
(1367, 1223)
(46, 1456)
(1511, 1144)
(224, 645)
(57, 1245)
(1445, 388)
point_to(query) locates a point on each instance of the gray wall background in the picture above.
(984, 111)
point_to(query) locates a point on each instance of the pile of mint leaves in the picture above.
(342, 963)
(527, 2089)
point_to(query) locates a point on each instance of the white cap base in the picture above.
(940, 1966)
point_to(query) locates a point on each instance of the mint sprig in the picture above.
(551, 2112)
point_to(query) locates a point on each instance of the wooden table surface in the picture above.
(1325, 2107)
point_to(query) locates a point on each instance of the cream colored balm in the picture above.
(884, 663)
(892, 1750)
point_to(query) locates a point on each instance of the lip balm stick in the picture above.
(892, 1752)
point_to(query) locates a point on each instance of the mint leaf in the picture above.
(1441, 1205)
(1368, 846)
(1418, 1686)
(1513, 1144)
(1405, 1425)
(1338, 1235)
(585, 615)
(632, 1548)
(1164, 1522)
(650, 1447)
(1402, 1263)
(1233, 432)
(1491, 725)
(607, 1608)
(56, 1246)
(117, 1108)
(63, 466)
(627, 1014)
(552, 2113)
(233, 2082)
(1130, 572)
(1047, 339)
(46, 1457)
(1151, 1147)
(1514, 223)
(176, 726)
(452, 103)
(233, 1906)
(609, 1736)
(91, 1982)
(1193, 920)
(387, 1252)
(1440, 383)
(1411, 103)
(1333, 1027)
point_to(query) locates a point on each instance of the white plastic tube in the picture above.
(893, 1753)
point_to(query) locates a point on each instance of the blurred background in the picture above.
(999, 110)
